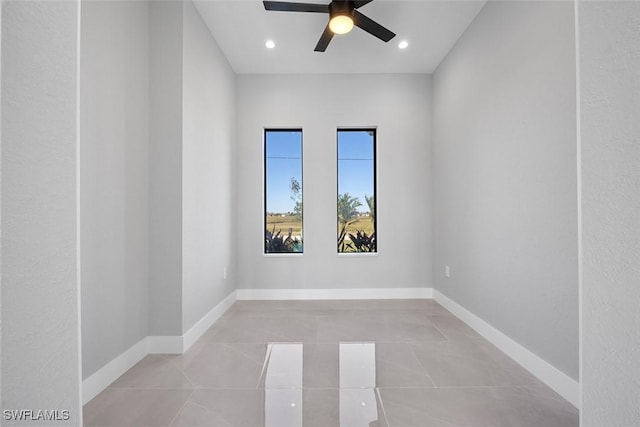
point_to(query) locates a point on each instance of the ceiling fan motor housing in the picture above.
(345, 8)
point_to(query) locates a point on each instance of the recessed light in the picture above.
(403, 44)
(270, 44)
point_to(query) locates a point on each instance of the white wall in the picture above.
(208, 118)
(398, 105)
(609, 59)
(192, 107)
(158, 119)
(504, 162)
(165, 169)
(40, 328)
(114, 200)
(0, 195)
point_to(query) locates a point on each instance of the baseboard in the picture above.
(110, 372)
(558, 381)
(197, 330)
(329, 294)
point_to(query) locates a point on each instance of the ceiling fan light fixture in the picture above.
(343, 16)
(341, 24)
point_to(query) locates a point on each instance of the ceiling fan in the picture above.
(343, 15)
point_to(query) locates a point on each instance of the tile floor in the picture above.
(397, 363)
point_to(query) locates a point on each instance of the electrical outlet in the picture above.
(447, 271)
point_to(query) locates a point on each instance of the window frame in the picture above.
(374, 131)
(265, 131)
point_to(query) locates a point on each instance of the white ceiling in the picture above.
(241, 28)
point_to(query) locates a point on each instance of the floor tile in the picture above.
(453, 328)
(352, 327)
(296, 308)
(321, 408)
(470, 363)
(398, 366)
(219, 365)
(241, 329)
(223, 407)
(194, 415)
(287, 329)
(342, 408)
(474, 407)
(361, 408)
(259, 328)
(154, 371)
(321, 365)
(537, 406)
(346, 363)
(413, 326)
(121, 407)
(283, 366)
(283, 407)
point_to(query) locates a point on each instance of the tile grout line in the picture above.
(181, 370)
(384, 412)
(264, 365)
(181, 408)
(435, 385)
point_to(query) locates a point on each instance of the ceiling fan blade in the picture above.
(358, 4)
(325, 38)
(283, 6)
(372, 27)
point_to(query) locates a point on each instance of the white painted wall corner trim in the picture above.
(332, 294)
(103, 377)
(558, 381)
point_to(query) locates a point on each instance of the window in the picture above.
(357, 190)
(283, 190)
